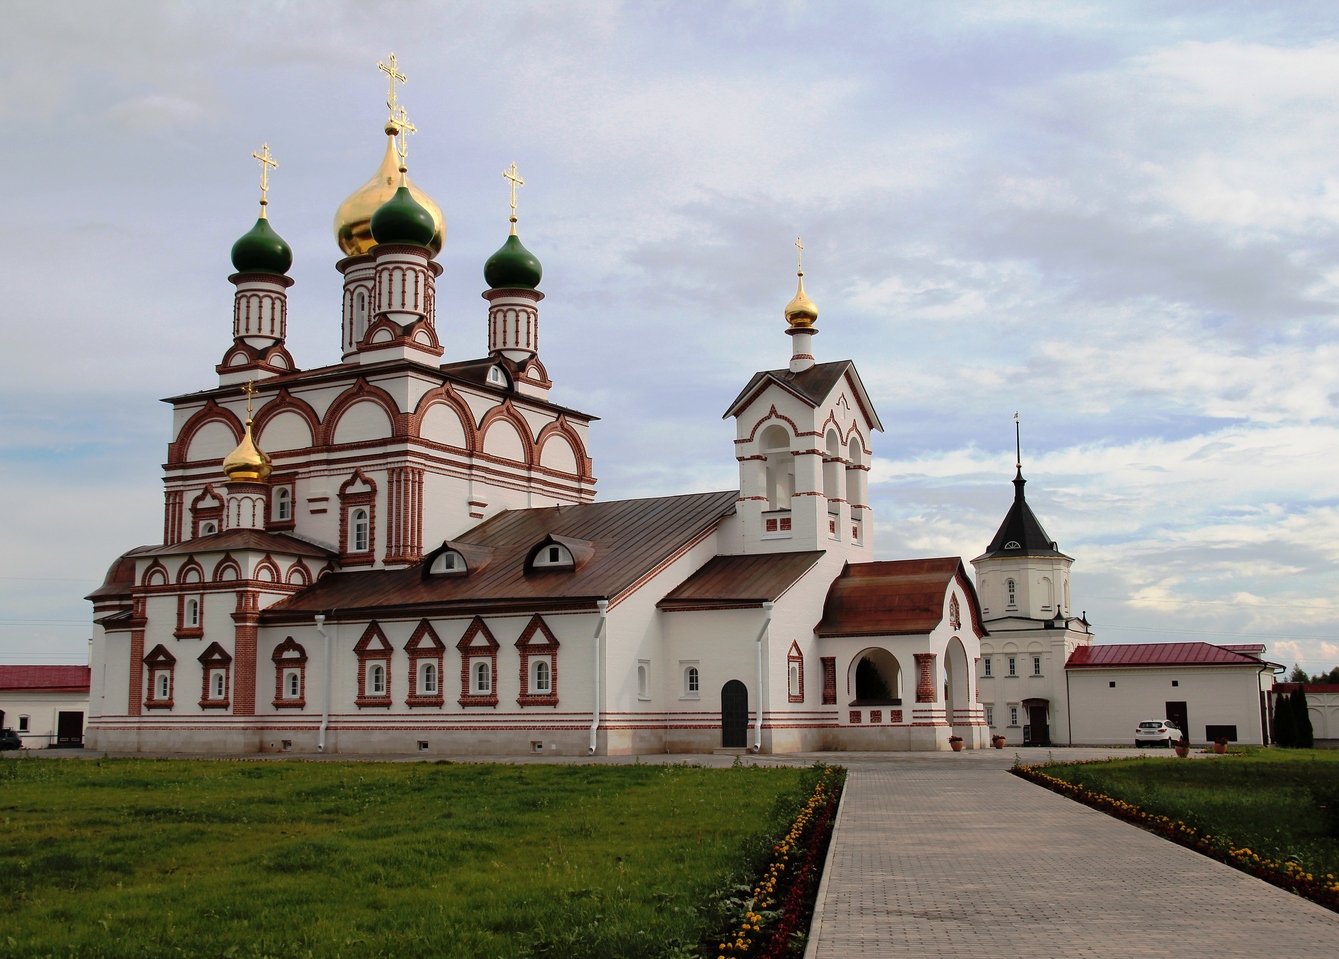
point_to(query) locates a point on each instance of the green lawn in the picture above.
(251, 859)
(1280, 803)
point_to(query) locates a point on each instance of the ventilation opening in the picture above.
(536, 747)
(422, 744)
(286, 744)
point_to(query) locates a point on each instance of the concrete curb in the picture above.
(816, 921)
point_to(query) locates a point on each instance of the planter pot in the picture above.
(1220, 748)
(957, 747)
(1183, 751)
(998, 742)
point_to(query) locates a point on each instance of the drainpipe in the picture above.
(603, 606)
(325, 707)
(762, 634)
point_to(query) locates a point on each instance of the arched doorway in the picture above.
(959, 699)
(875, 678)
(734, 715)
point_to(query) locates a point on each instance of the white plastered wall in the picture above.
(1214, 695)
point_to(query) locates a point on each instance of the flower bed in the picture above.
(1286, 875)
(774, 917)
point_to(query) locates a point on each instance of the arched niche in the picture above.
(503, 441)
(212, 441)
(875, 678)
(363, 420)
(557, 454)
(285, 431)
(441, 424)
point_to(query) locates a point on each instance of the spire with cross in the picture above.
(515, 178)
(267, 163)
(394, 76)
(799, 256)
(249, 388)
(402, 142)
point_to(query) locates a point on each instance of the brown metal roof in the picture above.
(894, 598)
(740, 580)
(812, 386)
(119, 580)
(238, 539)
(629, 538)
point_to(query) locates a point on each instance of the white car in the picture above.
(1157, 732)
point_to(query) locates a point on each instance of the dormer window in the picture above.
(1012, 544)
(554, 556)
(448, 561)
(496, 377)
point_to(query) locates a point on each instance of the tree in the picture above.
(1299, 675)
(1285, 733)
(1302, 720)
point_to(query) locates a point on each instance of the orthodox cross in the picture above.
(392, 101)
(1018, 442)
(516, 181)
(799, 257)
(250, 390)
(406, 128)
(266, 163)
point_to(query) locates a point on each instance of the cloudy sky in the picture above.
(1118, 219)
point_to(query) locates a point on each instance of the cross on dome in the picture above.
(402, 140)
(515, 178)
(393, 75)
(267, 163)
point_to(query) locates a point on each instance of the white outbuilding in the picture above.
(45, 705)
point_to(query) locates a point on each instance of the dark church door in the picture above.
(1177, 716)
(69, 729)
(734, 715)
(1038, 732)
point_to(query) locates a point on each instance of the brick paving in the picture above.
(949, 855)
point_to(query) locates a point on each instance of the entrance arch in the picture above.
(875, 678)
(734, 715)
(959, 700)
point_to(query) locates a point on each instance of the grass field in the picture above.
(251, 859)
(1281, 803)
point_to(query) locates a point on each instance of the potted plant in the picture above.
(997, 741)
(1183, 747)
(956, 743)
(1220, 745)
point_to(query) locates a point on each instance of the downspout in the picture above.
(325, 699)
(603, 605)
(762, 634)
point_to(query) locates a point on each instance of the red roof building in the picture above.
(46, 679)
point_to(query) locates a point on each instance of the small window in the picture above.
(1012, 587)
(990, 716)
(794, 679)
(217, 684)
(192, 613)
(359, 316)
(1036, 665)
(1013, 715)
(643, 680)
(1013, 666)
(1012, 544)
(1112, 684)
(1176, 682)
(283, 504)
(428, 682)
(986, 663)
(447, 562)
(358, 531)
(543, 683)
(208, 529)
(23, 724)
(483, 678)
(162, 683)
(692, 681)
(553, 556)
(292, 684)
(376, 680)
(496, 376)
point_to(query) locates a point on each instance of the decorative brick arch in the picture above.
(425, 646)
(347, 501)
(505, 411)
(561, 427)
(447, 394)
(537, 640)
(160, 662)
(303, 572)
(223, 565)
(289, 655)
(210, 413)
(192, 565)
(271, 566)
(202, 511)
(215, 658)
(373, 647)
(772, 414)
(477, 645)
(360, 391)
(284, 402)
(155, 575)
(795, 660)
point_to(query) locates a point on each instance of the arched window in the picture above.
(376, 680)
(643, 680)
(775, 444)
(1012, 589)
(428, 683)
(283, 504)
(192, 617)
(208, 529)
(359, 315)
(554, 555)
(542, 683)
(162, 683)
(692, 681)
(292, 684)
(794, 679)
(483, 679)
(1048, 590)
(447, 562)
(358, 531)
(833, 470)
(218, 684)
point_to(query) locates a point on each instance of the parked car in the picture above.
(10, 740)
(1157, 732)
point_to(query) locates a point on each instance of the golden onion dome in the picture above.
(353, 219)
(248, 463)
(801, 311)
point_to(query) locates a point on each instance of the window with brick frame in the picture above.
(478, 648)
(538, 646)
(374, 652)
(216, 677)
(795, 674)
(161, 666)
(290, 675)
(426, 655)
(357, 520)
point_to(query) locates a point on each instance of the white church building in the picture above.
(403, 552)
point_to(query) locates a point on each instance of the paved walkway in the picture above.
(949, 855)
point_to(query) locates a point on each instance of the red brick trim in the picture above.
(425, 646)
(795, 658)
(192, 565)
(303, 572)
(362, 390)
(347, 503)
(925, 678)
(373, 647)
(215, 657)
(155, 570)
(547, 647)
(829, 665)
(157, 662)
(173, 511)
(561, 427)
(211, 412)
(447, 395)
(289, 655)
(283, 402)
(135, 700)
(505, 411)
(472, 652)
(225, 564)
(404, 503)
(208, 506)
(246, 634)
(190, 632)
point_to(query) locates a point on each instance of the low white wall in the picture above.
(1103, 714)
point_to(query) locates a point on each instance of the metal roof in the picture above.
(236, 539)
(894, 598)
(1122, 655)
(1021, 533)
(51, 679)
(813, 386)
(740, 580)
(629, 540)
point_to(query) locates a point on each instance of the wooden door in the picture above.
(69, 729)
(734, 715)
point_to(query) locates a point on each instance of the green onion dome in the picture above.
(402, 219)
(513, 267)
(261, 250)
